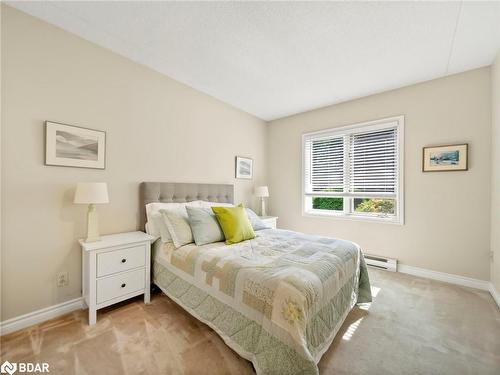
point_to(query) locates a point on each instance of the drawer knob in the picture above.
(123, 285)
(124, 260)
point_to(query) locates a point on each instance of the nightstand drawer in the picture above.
(119, 285)
(120, 260)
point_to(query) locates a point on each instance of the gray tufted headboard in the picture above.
(165, 192)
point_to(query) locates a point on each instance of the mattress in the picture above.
(278, 300)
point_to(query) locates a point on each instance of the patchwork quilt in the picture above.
(278, 300)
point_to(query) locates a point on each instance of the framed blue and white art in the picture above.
(244, 168)
(445, 158)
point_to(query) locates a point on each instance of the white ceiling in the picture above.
(274, 59)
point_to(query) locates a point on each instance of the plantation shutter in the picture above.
(353, 163)
(373, 163)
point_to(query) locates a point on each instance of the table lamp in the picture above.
(262, 192)
(92, 193)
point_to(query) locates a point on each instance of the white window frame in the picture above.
(348, 212)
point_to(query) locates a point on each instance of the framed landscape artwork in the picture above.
(445, 158)
(73, 146)
(244, 168)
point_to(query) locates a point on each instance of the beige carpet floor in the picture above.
(414, 326)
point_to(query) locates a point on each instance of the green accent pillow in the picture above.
(234, 223)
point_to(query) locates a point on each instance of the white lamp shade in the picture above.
(262, 191)
(91, 193)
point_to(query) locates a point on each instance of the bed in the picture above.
(277, 300)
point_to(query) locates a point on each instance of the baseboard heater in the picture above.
(382, 263)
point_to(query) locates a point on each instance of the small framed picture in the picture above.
(244, 168)
(73, 146)
(445, 158)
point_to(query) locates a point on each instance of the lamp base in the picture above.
(92, 224)
(263, 207)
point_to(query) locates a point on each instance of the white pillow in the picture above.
(148, 232)
(159, 224)
(177, 222)
(155, 225)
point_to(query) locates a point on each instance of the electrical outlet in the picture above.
(62, 279)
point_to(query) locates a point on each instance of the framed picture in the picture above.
(73, 146)
(445, 158)
(244, 168)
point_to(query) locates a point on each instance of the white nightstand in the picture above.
(114, 269)
(270, 221)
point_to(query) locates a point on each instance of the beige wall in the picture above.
(495, 173)
(157, 129)
(447, 225)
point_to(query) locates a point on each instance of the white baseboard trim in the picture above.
(446, 277)
(452, 279)
(39, 316)
(495, 294)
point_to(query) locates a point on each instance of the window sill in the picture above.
(341, 216)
